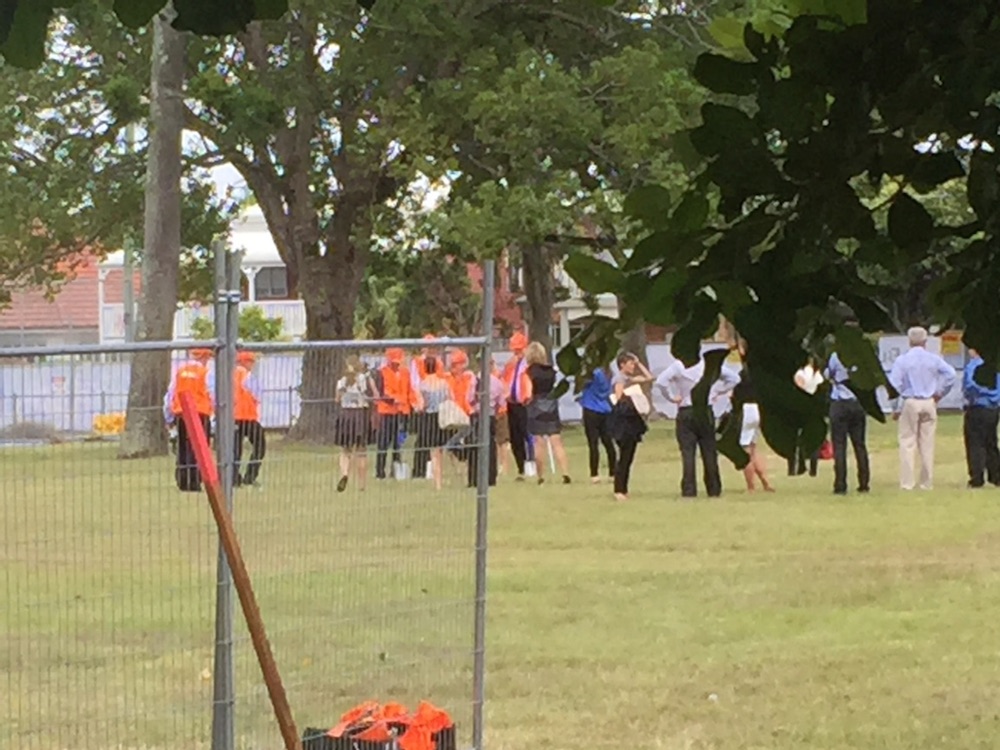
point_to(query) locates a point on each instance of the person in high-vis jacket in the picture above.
(397, 399)
(192, 377)
(246, 411)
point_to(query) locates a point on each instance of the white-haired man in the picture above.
(921, 379)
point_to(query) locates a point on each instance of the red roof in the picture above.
(76, 300)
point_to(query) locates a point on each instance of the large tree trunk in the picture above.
(150, 373)
(329, 288)
(539, 291)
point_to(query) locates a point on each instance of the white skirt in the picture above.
(750, 429)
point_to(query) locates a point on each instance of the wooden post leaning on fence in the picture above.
(241, 578)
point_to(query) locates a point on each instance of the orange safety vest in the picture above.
(397, 391)
(246, 408)
(420, 367)
(461, 387)
(192, 378)
(523, 382)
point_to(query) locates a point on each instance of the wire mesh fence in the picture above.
(108, 579)
(361, 519)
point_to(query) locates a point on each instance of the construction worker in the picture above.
(397, 399)
(418, 372)
(246, 411)
(192, 377)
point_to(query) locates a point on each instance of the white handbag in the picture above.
(450, 416)
(639, 400)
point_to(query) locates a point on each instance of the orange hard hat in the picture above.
(202, 353)
(458, 357)
(395, 355)
(243, 356)
(518, 342)
(429, 337)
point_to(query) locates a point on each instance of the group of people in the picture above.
(436, 398)
(921, 379)
(196, 379)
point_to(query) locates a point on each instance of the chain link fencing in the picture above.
(120, 628)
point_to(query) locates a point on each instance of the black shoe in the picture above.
(519, 478)
(864, 490)
(342, 484)
(839, 492)
(566, 479)
(974, 486)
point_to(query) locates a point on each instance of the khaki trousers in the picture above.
(917, 426)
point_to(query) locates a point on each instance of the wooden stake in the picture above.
(244, 588)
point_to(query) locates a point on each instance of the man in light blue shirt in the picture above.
(921, 379)
(982, 409)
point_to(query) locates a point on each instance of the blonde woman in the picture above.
(355, 391)
(543, 409)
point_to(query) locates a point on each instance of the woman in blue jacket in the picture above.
(596, 402)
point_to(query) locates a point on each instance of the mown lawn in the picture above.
(793, 620)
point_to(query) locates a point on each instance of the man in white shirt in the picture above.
(694, 431)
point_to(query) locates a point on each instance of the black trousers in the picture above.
(187, 474)
(517, 418)
(981, 453)
(693, 435)
(848, 420)
(389, 428)
(474, 452)
(623, 465)
(421, 450)
(252, 431)
(595, 427)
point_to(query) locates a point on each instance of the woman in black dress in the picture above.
(355, 392)
(626, 425)
(543, 410)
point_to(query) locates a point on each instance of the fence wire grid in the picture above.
(370, 588)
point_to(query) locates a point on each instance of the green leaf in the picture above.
(754, 41)
(593, 275)
(729, 437)
(699, 394)
(649, 204)
(24, 32)
(568, 360)
(703, 320)
(932, 170)
(691, 213)
(221, 17)
(659, 302)
(856, 351)
(136, 13)
(725, 76)
(724, 130)
(727, 31)
(983, 185)
(910, 224)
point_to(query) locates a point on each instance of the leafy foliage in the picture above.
(24, 24)
(254, 326)
(807, 120)
(71, 178)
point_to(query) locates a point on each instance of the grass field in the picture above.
(793, 620)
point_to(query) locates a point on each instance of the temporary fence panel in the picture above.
(107, 573)
(119, 627)
(362, 560)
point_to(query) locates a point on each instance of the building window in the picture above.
(271, 283)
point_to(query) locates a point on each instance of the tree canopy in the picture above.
(25, 24)
(776, 232)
